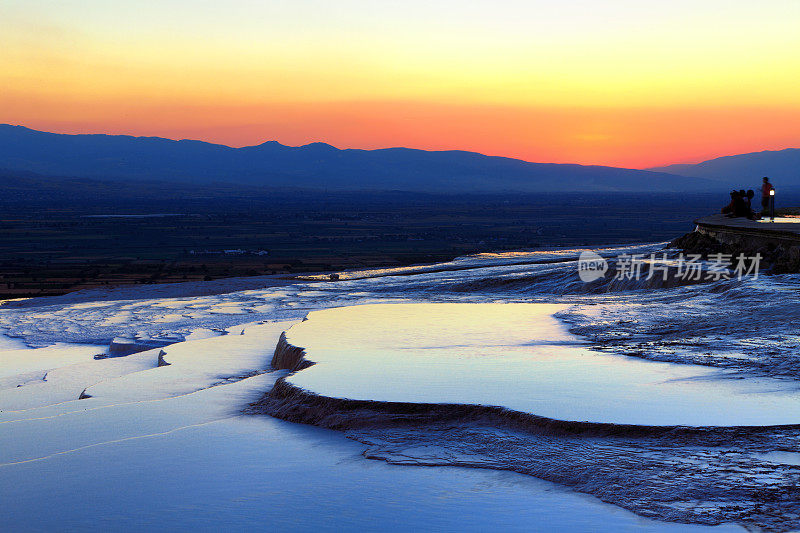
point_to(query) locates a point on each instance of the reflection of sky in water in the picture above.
(692, 324)
(517, 356)
(143, 422)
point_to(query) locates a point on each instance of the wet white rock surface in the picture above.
(167, 447)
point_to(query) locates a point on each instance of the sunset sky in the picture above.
(624, 83)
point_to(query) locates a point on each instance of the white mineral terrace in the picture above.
(521, 357)
(176, 435)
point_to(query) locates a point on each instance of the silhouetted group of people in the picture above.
(741, 202)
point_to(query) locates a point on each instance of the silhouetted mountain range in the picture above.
(316, 166)
(782, 167)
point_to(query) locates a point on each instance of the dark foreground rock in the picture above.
(779, 249)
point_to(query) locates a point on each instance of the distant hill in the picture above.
(782, 167)
(316, 166)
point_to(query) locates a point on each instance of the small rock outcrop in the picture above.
(288, 356)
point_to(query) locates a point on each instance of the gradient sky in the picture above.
(624, 83)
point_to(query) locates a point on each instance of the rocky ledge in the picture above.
(778, 243)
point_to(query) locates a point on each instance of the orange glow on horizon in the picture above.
(633, 138)
(619, 83)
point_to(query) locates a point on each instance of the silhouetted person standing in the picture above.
(766, 188)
